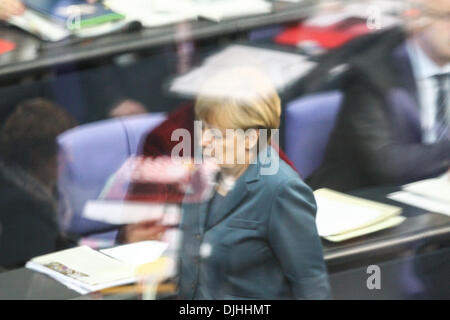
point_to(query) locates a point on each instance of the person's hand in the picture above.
(9, 8)
(148, 230)
(126, 108)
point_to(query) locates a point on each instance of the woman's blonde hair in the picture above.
(239, 98)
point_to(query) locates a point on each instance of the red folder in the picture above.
(326, 37)
(6, 46)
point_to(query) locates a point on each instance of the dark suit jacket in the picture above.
(377, 138)
(28, 219)
(261, 243)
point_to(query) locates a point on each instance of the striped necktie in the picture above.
(442, 107)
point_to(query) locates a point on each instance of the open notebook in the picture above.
(86, 270)
(341, 216)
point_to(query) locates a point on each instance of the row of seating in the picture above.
(94, 151)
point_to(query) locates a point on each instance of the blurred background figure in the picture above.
(28, 176)
(9, 8)
(393, 126)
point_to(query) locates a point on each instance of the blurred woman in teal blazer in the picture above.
(256, 237)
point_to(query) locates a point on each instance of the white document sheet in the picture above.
(137, 253)
(83, 269)
(218, 10)
(153, 13)
(419, 201)
(436, 188)
(128, 212)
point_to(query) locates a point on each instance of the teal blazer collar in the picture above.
(243, 186)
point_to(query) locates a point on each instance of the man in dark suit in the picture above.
(393, 126)
(28, 175)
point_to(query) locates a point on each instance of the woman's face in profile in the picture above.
(227, 146)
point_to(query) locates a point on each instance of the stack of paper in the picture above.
(217, 10)
(341, 217)
(282, 68)
(430, 194)
(39, 26)
(150, 13)
(86, 270)
(56, 20)
(153, 13)
(47, 30)
(128, 212)
(73, 14)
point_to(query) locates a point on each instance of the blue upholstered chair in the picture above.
(89, 155)
(309, 122)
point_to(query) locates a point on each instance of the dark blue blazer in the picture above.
(261, 243)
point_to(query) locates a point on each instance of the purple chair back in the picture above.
(89, 155)
(309, 122)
